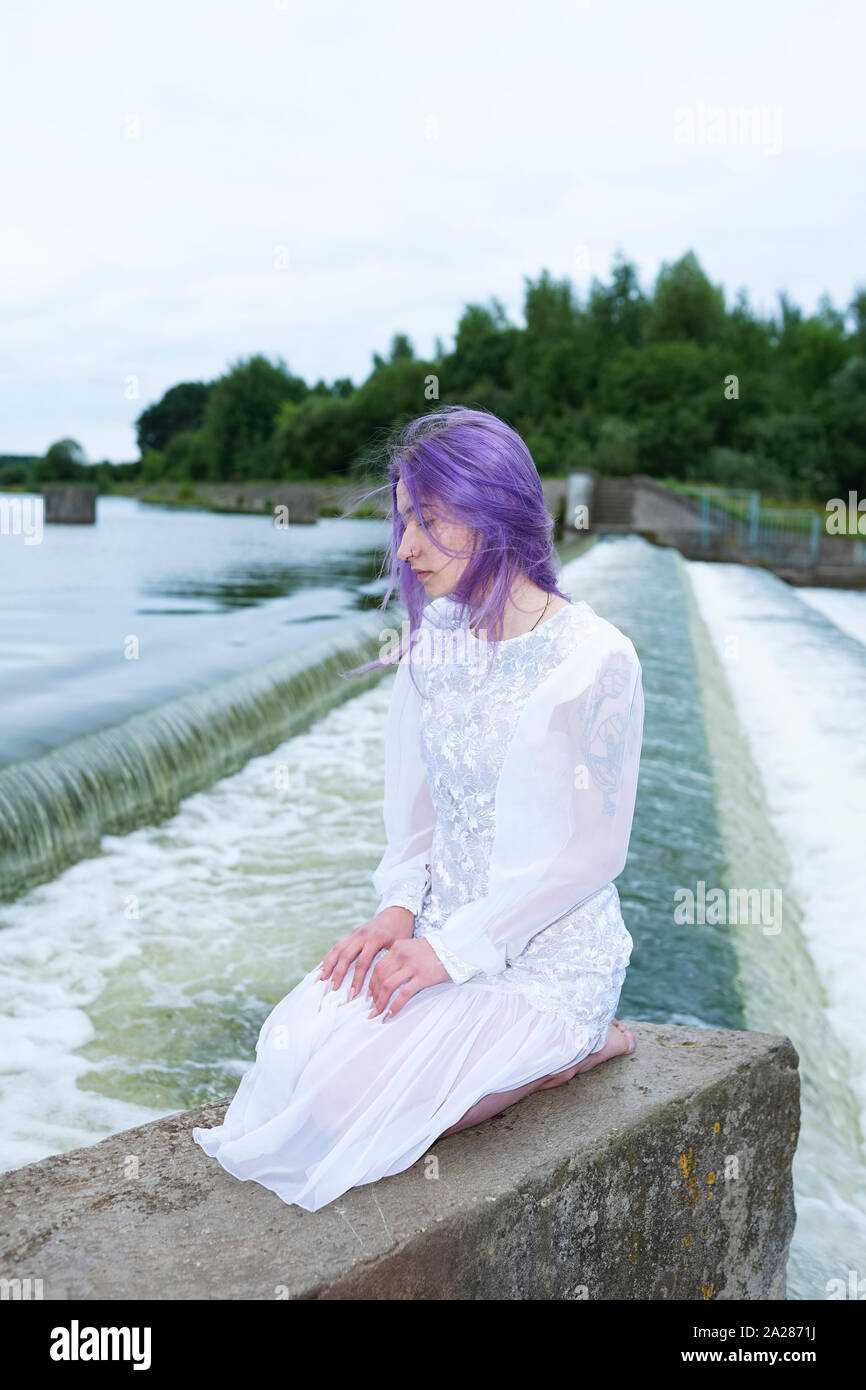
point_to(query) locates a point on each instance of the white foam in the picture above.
(799, 687)
(142, 972)
(844, 607)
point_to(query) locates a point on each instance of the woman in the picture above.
(495, 960)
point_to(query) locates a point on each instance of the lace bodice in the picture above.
(468, 718)
(474, 696)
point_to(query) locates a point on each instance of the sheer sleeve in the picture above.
(402, 877)
(564, 806)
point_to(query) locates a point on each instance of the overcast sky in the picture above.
(189, 182)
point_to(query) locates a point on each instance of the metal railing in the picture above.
(735, 517)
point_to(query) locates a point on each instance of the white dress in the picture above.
(510, 783)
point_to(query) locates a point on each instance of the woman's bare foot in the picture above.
(619, 1042)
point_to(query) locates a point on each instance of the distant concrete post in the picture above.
(754, 517)
(578, 501)
(815, 540)
(705, 519)
(70, 503)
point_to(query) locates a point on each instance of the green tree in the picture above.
(152, 467)
(185, 458)
(857, 313)
(316, 438)
(482, 346)
(551, 361)
(841, 408)
(796, 443)
(686, 307)
(181, 408)
(241, 415)
(401, 348)
(813, 350)
(14, 475)
(618, 312)
(616, 454)
(732, 468)
(64, 462)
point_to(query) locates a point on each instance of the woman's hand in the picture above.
(364, 943)
(409, 966)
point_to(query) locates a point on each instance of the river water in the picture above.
(133, 982)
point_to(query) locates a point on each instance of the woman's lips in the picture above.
(423, 574)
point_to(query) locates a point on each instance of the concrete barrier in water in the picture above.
(662, 1175)
(71, 504)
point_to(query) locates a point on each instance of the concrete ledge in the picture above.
(663, 1175)
(69, 504)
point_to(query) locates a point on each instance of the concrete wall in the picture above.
(70, 504)
(670, 519)
(554, 490)
(663, 1175)
(657, 508)
(301, 500)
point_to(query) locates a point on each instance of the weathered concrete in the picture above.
(663, 1175)
(72, 504)
(343, 499)
(300, 500)
(643, 506)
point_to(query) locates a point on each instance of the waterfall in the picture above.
(55, 809)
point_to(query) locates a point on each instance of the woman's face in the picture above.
(439, 573)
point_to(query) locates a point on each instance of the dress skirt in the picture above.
(336, 1099)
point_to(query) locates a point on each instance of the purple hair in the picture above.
(484, 476)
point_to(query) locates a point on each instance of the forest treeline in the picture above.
(674, 383)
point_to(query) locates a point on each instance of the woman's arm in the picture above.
(402, 877)
(564, 806)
